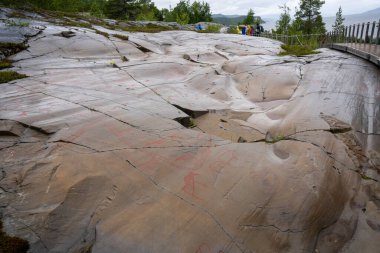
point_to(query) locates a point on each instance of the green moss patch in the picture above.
(11, 244)
(7, 76)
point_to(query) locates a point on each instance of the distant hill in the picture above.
(368, 16)
(375, 12)
(270, 21)
(227, 19)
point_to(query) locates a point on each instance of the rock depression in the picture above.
(187, 142)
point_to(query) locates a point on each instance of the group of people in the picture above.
(250, 30)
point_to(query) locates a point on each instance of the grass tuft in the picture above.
(17, 14)
(5, 64)
(149, 28)
(192, 123)
(102, 33)
(298, 50)
(275, 139)
(19, 23)
(122, 37)
(77, 24)
(7, 76)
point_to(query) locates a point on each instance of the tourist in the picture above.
(243, 31)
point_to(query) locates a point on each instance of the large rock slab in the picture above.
(96, 154)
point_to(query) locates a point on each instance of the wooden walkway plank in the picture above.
(369, 52)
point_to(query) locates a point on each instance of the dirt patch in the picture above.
(12, 244)
(227, 124)
(367, 168)
(336, 126)
(142, 48)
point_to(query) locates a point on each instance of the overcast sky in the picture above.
(270, 7)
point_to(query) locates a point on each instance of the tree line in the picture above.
(184, 12)
(307, 19)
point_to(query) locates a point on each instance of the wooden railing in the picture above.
(295, 39)
(368, 33)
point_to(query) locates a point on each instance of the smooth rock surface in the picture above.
(283, 155)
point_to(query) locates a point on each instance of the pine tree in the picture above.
(185, 13)
(118, 9)
(65, 5)
(249, 20)
(283, 24)
(311, 16)
(338, 27)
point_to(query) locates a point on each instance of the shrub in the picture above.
(211, 29)
(232, 30)
(11, 48)
(298, 50)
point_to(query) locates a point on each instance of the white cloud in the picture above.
(265, 7)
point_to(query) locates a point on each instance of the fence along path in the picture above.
(362, 40)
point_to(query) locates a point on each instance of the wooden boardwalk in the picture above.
(369, 52)
(359, 39)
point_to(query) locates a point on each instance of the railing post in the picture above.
(372, 32)
(330, 38)
(378, 33)
(345, 34)
(349, 34)
(357, 33)
(361, 34)
(353, 34)
(366, 33)
(333, 37)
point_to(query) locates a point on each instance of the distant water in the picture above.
(369, 16)
(353, 19)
